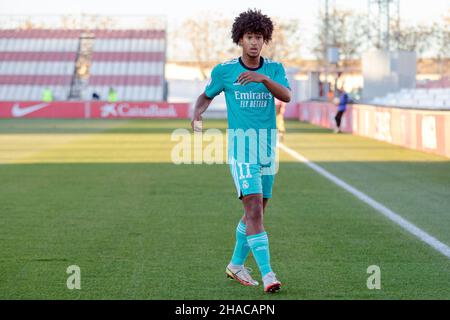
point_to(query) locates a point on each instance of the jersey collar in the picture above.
(261, 62)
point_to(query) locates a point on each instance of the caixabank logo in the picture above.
(126, 110)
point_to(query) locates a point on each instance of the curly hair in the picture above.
(252, 21)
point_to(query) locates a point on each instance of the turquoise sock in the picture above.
(259, 243)
(241, 249)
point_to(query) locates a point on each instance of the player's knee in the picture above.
(254, 211)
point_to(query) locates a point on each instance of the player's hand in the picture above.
(251, 76)
(196, 119)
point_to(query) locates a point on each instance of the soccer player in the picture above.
(250, 83)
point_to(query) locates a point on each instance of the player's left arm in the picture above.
(278, 91)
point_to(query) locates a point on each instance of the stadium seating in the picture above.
(443, 82)
(431, 98)
(130, 61)
(32, 60)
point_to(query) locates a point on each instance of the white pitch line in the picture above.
(395, 217)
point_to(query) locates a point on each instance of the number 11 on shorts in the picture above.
(241, 171)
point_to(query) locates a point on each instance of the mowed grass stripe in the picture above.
(30, 140)
(141, 141)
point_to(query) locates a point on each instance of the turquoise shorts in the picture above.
(252, 179)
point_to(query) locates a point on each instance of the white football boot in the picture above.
(241, 274)
(271, 284)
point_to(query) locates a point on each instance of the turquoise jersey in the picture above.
(250, 108)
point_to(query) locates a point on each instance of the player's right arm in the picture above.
(213, 88)
(202, 103)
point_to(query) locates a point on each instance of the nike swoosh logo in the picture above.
(18, 112)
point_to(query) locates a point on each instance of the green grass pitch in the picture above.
(104, 195)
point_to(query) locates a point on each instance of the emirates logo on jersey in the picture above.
(253, 99)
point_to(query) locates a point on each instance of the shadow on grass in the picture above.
(131, 126)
